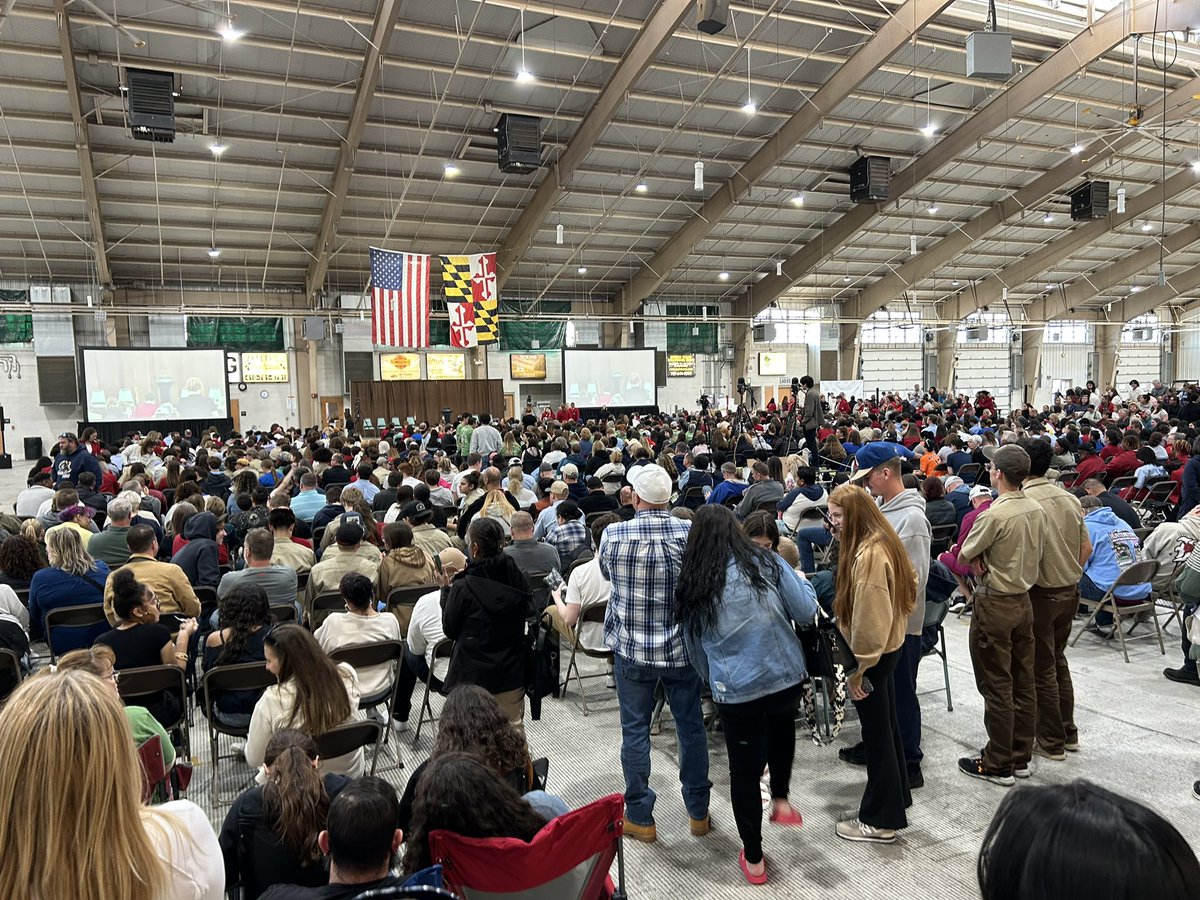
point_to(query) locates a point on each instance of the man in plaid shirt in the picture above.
(570, 536)
(641, 558)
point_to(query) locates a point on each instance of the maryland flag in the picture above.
(473, 279)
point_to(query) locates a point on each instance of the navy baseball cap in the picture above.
(871, 455)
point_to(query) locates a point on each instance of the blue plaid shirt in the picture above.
(642, 559)
(565, 538)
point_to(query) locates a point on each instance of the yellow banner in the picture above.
(446, 366)
(400, 366)
(681, 365)
(264, 368)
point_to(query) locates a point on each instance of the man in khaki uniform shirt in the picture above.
(340, 558)
(1055, 599)
(1005, 550)
(166, 580)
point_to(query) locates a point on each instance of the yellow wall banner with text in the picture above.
(400, 366)
(446, 366)
(681, 365)
(264, 368)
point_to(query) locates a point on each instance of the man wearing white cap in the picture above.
(642, 558)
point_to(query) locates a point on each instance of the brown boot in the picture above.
(647, 834)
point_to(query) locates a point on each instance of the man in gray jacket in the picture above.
(904, 508)
(812, 417)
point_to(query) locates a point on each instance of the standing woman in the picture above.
(736, 603)
(874, 596)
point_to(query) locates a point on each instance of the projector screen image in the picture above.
(139, 384)
(609, 378)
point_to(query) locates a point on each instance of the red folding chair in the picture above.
(569, 859)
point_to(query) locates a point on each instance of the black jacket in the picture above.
(199, 557)
(598, 501)
(216, 484)
(484, 613)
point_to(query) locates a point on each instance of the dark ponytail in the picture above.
(487, 535)
(294, 799)
(128, 593)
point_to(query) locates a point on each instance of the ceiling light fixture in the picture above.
(846, 278)
(1146, 226)
(929, 129)
(450, 170)
(798, 200)
(1196, 165)
(912, 245)
(778, 268)
(214, 252)
(1076, 149)
(217, 148)
(724, 276)
(698, 181)
(582, 270)
(229, 31)
(523, 74)
(749, 108)
(933, 209)
(954, 283)
(1048, 217)
(1121, 200)
(558, 234)
(641, 187)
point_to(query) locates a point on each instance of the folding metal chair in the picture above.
(407, 597)
(148, 681)
(367, 656)
(1137, 574)
(591, 615)
(969, 473)
(351, 736)
(1122, 483)
(82, 616)
(568, 859)
(935, 614)
(1152, 508)
(324, 605)
(251, 676)
(443, 649)
(282, 613)
(1170, 598)
(943, 537)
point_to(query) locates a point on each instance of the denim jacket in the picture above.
(753, 650)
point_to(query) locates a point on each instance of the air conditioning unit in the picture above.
(151, 105)
(870, 178)
(764, 333)
(518, 144)
(1141, 334)
(1089, 201)
(712, 15)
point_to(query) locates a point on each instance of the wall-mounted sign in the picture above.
(527, 366)
(264, 368)
(446, 366)
(681, 365)
(772, 363)
(400, 366)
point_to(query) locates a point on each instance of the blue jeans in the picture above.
(635, 692)
(546, 805)
(1089, 590)
(806, 539)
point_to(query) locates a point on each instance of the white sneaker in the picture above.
(854, 830)
(1022, 772)
(238, 747)
(399, 727)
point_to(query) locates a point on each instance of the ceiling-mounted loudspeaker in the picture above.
(151, 105)
(870, 179)
(712, 15)
(518, 144)
(989, 54)
(1090, 201)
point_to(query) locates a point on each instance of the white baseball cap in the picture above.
(651, 482)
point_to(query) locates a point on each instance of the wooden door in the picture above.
(235, 410)
(331, 408)
(509, 407)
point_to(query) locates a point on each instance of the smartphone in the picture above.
(554, 580)
(437, 563)
(825, 515)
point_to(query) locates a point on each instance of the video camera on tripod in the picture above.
(705, 402)
(795, 387)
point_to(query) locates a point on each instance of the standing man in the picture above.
(1004, 549)
(1055, 598)
(904, 508)
(73, 460)
(812, 417)
(485, 440)
(641, 559)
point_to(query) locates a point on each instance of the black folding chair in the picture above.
(348, 737)
(366, 656)
(943, 536)
(151, 681)
(72, 617)
(407, 596)
(282, 613)
(11, 672)
(251, 676)
(324, 605)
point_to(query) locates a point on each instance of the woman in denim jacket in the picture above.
(737, 604)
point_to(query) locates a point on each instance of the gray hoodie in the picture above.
(906, 513)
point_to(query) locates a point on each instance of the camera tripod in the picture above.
(789, 440)
(742, 424)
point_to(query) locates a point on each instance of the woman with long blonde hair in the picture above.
(875, 590)
(96, 840)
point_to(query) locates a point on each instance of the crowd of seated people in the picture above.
(621, 508)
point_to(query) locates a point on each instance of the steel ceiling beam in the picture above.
(1091, 43)
(906, 276)
(83, 147)
(655, 33)
(1152, 298)
(381, 34)
(892, 34)
(990, 290)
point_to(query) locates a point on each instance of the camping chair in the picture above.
(149, 681)
(82, 616)
(351, 736)
(590, 615)
(568, 859)
(1137, 574)
(251, 676)
(378, 653)
(404, 600)
(442, 650)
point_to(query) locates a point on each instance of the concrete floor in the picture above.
(1139, 736)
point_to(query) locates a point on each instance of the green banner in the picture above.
(15, 328)
(521, 333)
(694, 336)
(237, 333)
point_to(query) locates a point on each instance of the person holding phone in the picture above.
(875, 590)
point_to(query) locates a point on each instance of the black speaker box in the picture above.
(518, 144)
(870, 179)
(1089, 201)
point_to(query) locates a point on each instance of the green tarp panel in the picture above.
(235, 333)
(439, 332)
(519, 330)
(680, 336)
(15, 328)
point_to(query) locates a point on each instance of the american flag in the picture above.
(400, 299)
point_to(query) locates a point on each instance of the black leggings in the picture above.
(887, 794)
(757, 733)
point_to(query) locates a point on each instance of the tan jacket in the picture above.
(873, 630)
(170, 585)
(401, 568)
